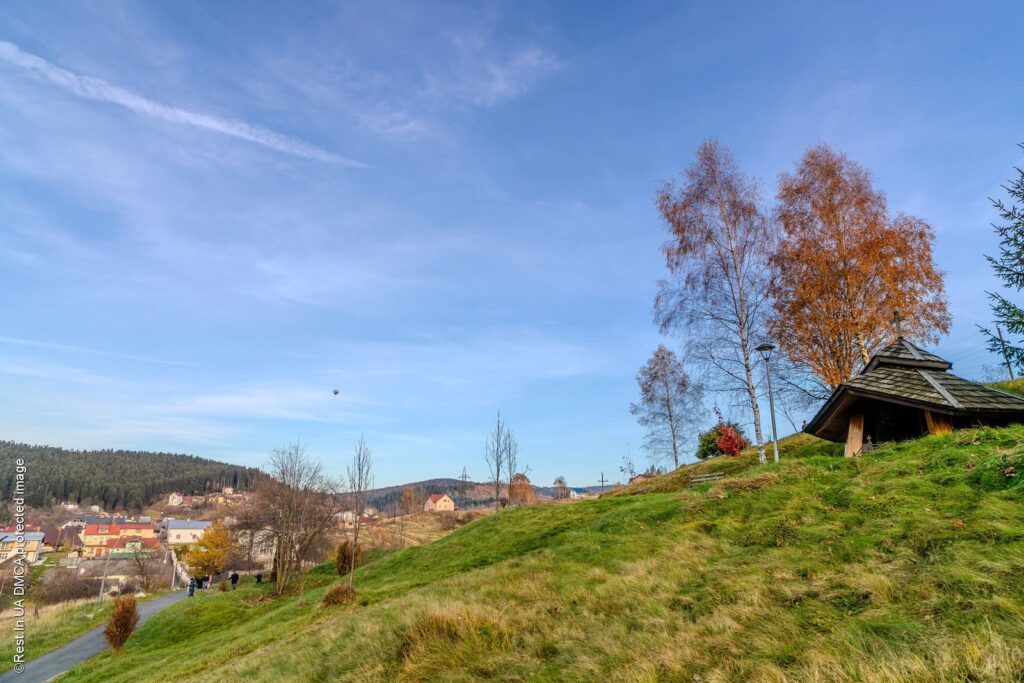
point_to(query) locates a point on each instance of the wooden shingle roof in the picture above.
(933, 389)
(905, 374)
(903, 352)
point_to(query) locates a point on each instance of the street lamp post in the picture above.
(103, 582)
(766, 352)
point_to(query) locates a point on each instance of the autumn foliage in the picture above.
(343, 561)
(122, 623)
(339, 594)
(729, 440)
(843, 266)
(718, 258)
(521, 492)
(725, 438)
(213, 552)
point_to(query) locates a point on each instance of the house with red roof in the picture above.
(96, 536)
(439, 502)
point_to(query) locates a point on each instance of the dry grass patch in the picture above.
(443, 642)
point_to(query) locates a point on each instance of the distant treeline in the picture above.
(114, 480)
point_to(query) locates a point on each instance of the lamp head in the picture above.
(765, 350)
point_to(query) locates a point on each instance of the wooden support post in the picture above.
(855, 435)
(938, 423)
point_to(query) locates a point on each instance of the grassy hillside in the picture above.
(906, 564)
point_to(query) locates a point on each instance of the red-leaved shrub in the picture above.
(729, 441)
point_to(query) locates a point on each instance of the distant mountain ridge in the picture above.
(113, 479)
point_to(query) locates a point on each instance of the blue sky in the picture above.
(213, 214)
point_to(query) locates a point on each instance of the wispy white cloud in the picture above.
(484, 77)
(35, 343)
(99, 90)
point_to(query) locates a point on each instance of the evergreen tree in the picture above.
(1009, 267)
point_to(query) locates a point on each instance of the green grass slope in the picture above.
(906, 564)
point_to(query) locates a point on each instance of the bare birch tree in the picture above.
(717, 295)
(360, 480)
(495, 453)
(669, 407)
(299, 501)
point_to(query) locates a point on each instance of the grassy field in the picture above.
(906, 564)
(54, 626)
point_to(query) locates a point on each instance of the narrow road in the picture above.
(55, 663)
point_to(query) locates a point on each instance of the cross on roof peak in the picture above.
(898, 322)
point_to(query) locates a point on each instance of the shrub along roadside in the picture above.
(122, 623)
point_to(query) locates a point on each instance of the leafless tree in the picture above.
(561, 488)
(628, 466)
(249, 525)
(494, 455)
(299, 501)
(145, 567)
(718, 258)
(670, 406)
(360, 480)
(512, 470)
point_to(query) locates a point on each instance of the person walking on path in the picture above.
(234, 580)
(259, 577)
(191, 586)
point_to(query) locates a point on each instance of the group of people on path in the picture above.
(207, 581)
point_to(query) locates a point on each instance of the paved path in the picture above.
(55, 663)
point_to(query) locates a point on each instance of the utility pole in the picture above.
(1006, 357)
(462, 487)
(103, 582)
(602, 482)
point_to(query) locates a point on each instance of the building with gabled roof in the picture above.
(30, 543)
(439, 502)
(905, 392)
(184, 531)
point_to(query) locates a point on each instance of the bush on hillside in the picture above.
(725, 438)
(729, 440)
(343, 556)
(122, 623)
(339, 595)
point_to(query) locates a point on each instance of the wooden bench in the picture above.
(698, 479)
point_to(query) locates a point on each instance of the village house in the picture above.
(96, 536)
(177, 499)
(132, 546)
(51, 534)
(905, 392)
(33, 545)
(185, 531)
(83, 520)
(439, 502)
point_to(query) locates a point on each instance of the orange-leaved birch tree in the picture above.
(717, 297)
(843, 266)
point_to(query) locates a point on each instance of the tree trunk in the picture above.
(355, 551)
(671, 424)
(762, 457)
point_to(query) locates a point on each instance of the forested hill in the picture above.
(114, 480)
